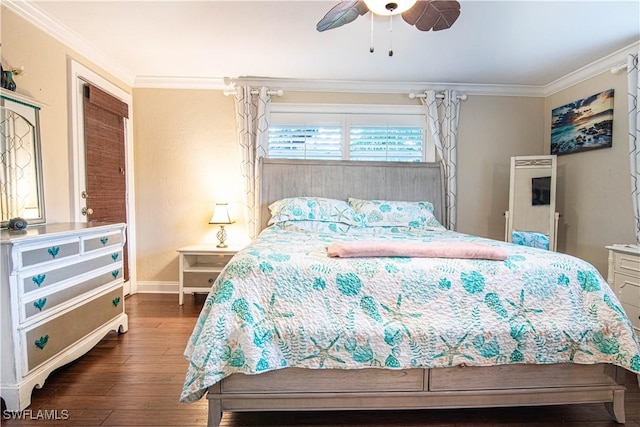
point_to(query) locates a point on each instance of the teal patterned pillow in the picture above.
(312, 209)
(387, 213)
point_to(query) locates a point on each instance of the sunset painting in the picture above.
(583, 125)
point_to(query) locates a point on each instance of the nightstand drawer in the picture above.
(627, 263)
(32, 256)
(48, 339)
(44, 278)
(627, 288)
(199, 280)
(100, 241)
(48, 302)
(633, 313)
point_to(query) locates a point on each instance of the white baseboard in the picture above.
(157, 287)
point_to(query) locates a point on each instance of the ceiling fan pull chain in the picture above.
(371, 45)
(390, 35)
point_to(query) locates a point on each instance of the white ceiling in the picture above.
(531, 43)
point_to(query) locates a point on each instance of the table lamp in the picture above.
(221, 216)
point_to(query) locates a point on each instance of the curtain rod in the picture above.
(278, 92)
(414, 95)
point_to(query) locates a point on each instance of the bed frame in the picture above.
(295, 389)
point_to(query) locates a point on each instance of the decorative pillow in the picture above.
(312, 209)
(387, 213)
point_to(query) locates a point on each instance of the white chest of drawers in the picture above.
(624, 279)
(61, 293)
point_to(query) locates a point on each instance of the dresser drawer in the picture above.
(48, 302)
(627, 264)
(33, 255)
(48, 339)
(101, 241)
(56, 274)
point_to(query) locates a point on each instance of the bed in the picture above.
(286, 327)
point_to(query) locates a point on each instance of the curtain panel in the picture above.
(442, 112)
(634, 137)
(252, 111)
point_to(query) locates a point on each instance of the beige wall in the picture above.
(186, 157)
(594, 187)
(45, 79)
(186, 160)
(491, 130)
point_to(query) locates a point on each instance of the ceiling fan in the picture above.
(425, 15)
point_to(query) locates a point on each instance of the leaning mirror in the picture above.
(532, 219)
(22, 193)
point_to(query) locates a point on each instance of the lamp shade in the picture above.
(221, 214)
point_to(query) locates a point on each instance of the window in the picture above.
(355, 132)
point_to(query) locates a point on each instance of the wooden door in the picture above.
(104, 135)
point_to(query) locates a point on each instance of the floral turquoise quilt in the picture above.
(281, 302)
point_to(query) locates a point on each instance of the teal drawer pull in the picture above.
(42, 341)
(115, 256)
(104, 240)
(40, 303)
(39, 279)
(115, 273)
(53, 251)
(116, 301)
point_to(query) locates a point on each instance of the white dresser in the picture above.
(61, 293)
(624, 279)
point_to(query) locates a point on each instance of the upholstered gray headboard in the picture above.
(341, 179)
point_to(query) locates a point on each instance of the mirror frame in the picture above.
(29, 109)
(535, 167)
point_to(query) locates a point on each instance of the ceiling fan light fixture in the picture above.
(389, 7)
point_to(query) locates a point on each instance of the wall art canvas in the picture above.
(583, 125)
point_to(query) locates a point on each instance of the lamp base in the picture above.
(222, 237)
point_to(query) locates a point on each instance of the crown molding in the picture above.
(37, 17)
(600, 66)
(181, 83)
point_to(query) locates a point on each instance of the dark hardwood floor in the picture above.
(135, 379)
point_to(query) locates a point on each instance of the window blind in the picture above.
(393, 144)
(305, 142)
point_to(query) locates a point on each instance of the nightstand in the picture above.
(200, 266)
(624, 279)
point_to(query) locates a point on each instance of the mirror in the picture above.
(532, 219)
(22, 193)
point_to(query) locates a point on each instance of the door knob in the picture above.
(84, 195)
(87, 211)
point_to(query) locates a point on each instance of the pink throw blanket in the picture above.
(466, 250)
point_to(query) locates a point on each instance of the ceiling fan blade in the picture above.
(342, 13)
(433, 15)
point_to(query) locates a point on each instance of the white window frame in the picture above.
(346, 115)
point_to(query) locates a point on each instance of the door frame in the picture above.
(78, 76)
